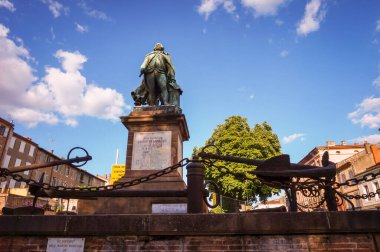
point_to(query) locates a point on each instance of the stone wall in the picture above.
(322, 231)
(278, 243)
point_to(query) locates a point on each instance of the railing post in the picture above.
(195, 182)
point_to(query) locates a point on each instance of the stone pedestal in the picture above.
(155, 140)
(155, 137)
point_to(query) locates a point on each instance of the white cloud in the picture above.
(62, 95)
(81, 28)
(284, 53)
(52, 33)
(293, 137)
(207, 7)
(229, 6)
(378, 25)
(314, 15)
(279, 22)
(263, 7)
(55, 7)
(375, 138)
(376, 82)
(7, 4)
(251, 96)
(3, 31)
(15, 72)
(93, 12)
(31, 117)
(367, 113)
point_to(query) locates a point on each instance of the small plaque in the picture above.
(65, 245)
(169, 208)
(151, 150)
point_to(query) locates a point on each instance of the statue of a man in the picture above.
(157, 69)
(159, 83)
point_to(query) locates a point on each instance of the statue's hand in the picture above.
(142, 71)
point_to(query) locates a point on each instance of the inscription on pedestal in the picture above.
(151, 150)
(169, 208)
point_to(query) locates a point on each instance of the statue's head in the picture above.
(158, 47)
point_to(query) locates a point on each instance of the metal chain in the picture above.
(310, 186)
(307, 187)
(7, 173)
(299, 185)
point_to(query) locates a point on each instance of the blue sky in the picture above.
(311, 69)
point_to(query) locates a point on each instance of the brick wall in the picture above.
(266, 243)
(14, 201)
(3, 200)
(264, 232)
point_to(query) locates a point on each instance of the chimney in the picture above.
(344, 142)
(330, 143)
(367, 147)
(375, 153)
(52, 151)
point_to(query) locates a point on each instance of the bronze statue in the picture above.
(158, 85)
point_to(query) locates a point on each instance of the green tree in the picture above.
(236, 138)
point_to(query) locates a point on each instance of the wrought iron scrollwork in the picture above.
(212, 188)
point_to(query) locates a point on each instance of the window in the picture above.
(376, 184)
(351, 174)
(42, 158)
(2, 186)
(6, 132)
(12, 142)
(37, 175)
(18, 162)
(2, 130)
(67, 171)
(376, 188)
(343, 176)
(12, 183)
(31, 150)
(27, 172)
(7, 159)
(81, 178)
(366, 191)
(22, 147)
(54, 181)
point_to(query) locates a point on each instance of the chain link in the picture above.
(7, 173)
(309, 187)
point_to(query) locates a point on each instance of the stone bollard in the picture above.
(195, 178)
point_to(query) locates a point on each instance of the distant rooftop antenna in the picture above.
(117, 156)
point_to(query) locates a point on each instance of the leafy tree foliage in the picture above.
(236, 138)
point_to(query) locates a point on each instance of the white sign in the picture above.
(151, 150)
(169, 208)
(65, 245)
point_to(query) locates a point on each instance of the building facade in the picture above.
(355, 168)
(337, 153)
(16, 150)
